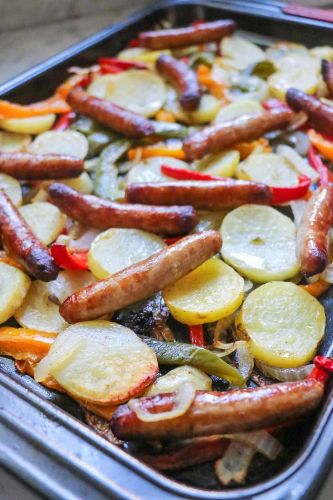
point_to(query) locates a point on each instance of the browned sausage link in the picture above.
(320, 116)
(247, 128)
(203, 195)
(105, 112)
(181, 37)
(40, 167)
(141, 280)
(327, 72)
(20, 242)
(312, 234)
(183, 78)
(103, 214)
(222, 412)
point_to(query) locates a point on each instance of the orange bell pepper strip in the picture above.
(28, 368)
(246, 148)
(74, 81)
(150, 151)
(322, 143)
(25, 344)
(205, 79)
(11, 262)
(317, 288)
(165, 116)
(55, 104)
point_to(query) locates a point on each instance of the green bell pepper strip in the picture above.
(106, 176)
(170, 130)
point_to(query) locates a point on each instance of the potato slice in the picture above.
(99, 362)
(40, 310)
(45, 220)
(14, 285)
(240, 53)
(322, 52)
(237, 109)
(283, 323)
(207, 110)
(299, 163)
(178, 376)
(268, 168)
(115, 249)
(140, 54)
(64, 142)
(210, 292)
(33, 125)
(83, 183)
(260, 243)
(12, 188)
(221, 164)
(149, 170)
(294, 71)
(143, 92)
(10, 142)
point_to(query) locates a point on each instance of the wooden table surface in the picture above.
(20, 49)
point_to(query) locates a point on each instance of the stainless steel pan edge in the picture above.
(62, 458)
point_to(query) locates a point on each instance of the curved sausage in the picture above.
(183, 78)
(327, 72)
(320, 115)
(246, 128)
(181, 37)
(228, 412)
(141, 280)
(20, 242)
(105, 112)
(28, 166)
(103, 214)
(203, 195)
(312, 234)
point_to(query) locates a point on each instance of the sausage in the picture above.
(141, 280)
(312, 234)
(103, 214)
(202, 195)
(183, 78)
(181, 37)
(246, 128)
(320, 115)
(21, 243)
(32, 167)
(228, 412)
(109, 114)
(327, 72)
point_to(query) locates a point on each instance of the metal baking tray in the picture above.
(43, 439)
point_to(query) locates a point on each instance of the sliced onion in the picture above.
(183, 400)
(327, 275)
(284, 374)
(234, 464)
(298, 121)
(262, 441)
(297, 208)
(248, 285)
(245, 359)
(222, 326)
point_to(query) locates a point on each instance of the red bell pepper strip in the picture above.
(323, 368)
(132, 44)
(64, 121)
(119, 63)
(285, 194)
(185, 174)
(171, 241)
(69, 259)
(197, 335)
(272, 104)
(316, 162)
(107, 69)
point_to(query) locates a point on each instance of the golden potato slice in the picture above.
(45, 220)
(300, 72)
(207, 110)
(171, 381)
(40, 309)
(143, 92)
(221, 164)
(99, 362)
(140, 54)
(240, 53)
(149, 170)
(210, 292)
(14, 285)
(260, 243)
(237, 109)
(62, 142)
(115, 249)
(12, 188)
(10, 142)
(283, 323)
(83, 183)
(268, 168)
(33, 125)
